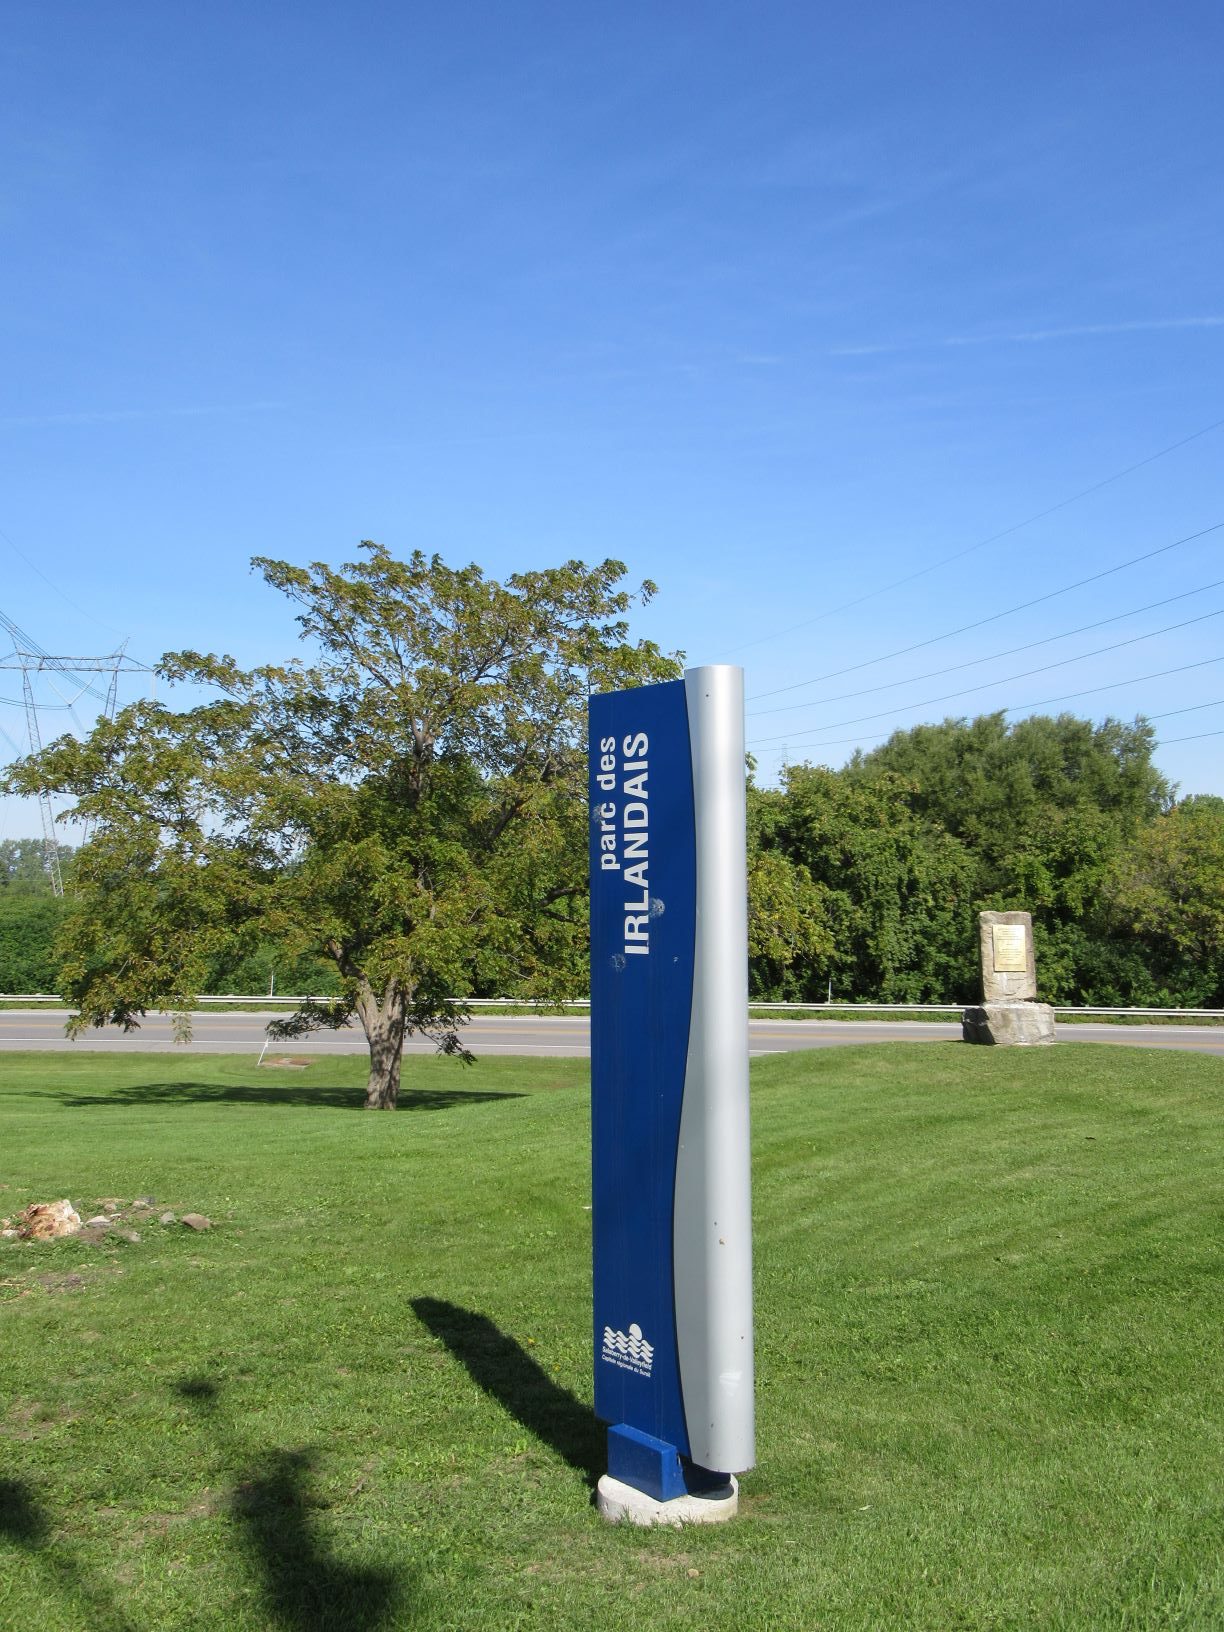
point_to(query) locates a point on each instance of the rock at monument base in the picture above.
(1016, 1024)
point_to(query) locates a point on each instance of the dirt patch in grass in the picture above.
(160, 1524)
(31, 1419)
(648, 1560)
(60, 1283)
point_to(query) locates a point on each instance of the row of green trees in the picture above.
(401, 819)
(30, 917)
(870, 878)
(866, 881)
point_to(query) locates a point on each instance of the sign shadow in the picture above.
(511, 1376)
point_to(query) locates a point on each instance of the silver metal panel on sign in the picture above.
(713, 1207)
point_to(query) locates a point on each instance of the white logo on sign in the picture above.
(628, 1350)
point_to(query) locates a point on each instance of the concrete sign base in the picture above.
(623, 1504)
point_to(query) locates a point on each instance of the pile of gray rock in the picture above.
(50, 1220)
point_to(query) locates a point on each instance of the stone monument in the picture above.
(1009, 1011)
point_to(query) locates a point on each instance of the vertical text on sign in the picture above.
(624, 830)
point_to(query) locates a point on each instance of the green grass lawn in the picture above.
(987, 1311)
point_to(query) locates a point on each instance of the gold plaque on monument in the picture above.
(1010, 952)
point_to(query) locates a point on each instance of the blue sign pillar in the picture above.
(669, 1077)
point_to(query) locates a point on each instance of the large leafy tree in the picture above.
(409, 803)
(879, 894)
(1168, 887)
(1037, 802)
(1043, 807)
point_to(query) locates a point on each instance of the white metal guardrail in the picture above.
(528, 1005)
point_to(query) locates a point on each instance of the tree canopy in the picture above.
(23, 867)
(886, 907)
(870, 878)
(408, 804)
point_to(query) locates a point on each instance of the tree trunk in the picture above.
(384, 1028)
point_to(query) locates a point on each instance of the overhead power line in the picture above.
(985, 685)
(1163, 742)
(58, 588)
(1135, 680)
(994, 617)
(28, 652)
(991, 657)
(1016, 708)
(1166, 714)
(959, 555)
(1192, 709)
(19, 636)
(1167, 742)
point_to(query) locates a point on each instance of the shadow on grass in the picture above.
(297, 1094)
(24, 1524)
(22, 1520)
(520, 1384)
(305, 1588)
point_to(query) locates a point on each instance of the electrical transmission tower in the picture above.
(29, 659)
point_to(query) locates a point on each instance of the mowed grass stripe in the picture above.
(987, 1301)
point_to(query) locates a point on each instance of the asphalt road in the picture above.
(544, 1035)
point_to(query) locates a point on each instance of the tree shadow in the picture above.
(25, 1524)
(22, 1520)
(520, 1385)
(201, 1392)
(298, 1095)
(305, 1588)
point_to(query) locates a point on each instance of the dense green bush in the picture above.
(28, 924)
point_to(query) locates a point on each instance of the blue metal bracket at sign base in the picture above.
(657, 1468)
(646, 1463)
(669, 1045)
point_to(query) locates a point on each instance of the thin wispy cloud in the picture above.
(1028, 337)
(120, 416)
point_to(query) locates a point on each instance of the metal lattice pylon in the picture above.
(30, 659)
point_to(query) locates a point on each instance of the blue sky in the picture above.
(781, 304)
